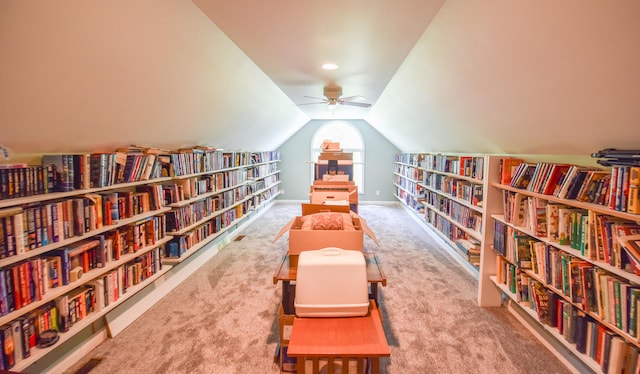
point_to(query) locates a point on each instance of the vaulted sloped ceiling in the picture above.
(501, 76)
(87, 76)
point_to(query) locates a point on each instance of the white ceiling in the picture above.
(290, 40)
(497, 76)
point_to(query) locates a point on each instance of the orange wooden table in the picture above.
(339, 338)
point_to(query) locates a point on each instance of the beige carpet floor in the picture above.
(222, 319)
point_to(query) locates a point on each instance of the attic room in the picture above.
(542, 83)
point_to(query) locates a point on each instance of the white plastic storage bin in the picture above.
(331, 282)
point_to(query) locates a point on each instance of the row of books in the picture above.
(605, 347)
(191, 188)
(409, 158)
(412, 201)
(28, 281)
(459, 188)
(265, 195)
(20, 180)
(94, 170)
(444, 226)
(409, 172)
(261, 184)
(462, 214)
(596, 236)
(470, 248)
(22, 335)
(617, 188)
(178, 245)
(69, 172)
(266, 156)
(179, 218)
(409, 185)
(468, 166)
(261, 171)
(607, 296)
(37, 225)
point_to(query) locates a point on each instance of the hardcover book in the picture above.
(508, 167)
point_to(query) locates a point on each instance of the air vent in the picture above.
(86, 368)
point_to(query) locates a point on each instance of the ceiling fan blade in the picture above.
(355, 103)
(318, 98)
(351, 98)
(316, 102)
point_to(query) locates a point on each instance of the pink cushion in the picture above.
(328, 221)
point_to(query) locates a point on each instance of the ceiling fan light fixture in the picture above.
(329, 66)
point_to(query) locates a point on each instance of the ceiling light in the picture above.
(329, 66)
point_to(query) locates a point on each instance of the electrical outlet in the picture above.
(377, 192)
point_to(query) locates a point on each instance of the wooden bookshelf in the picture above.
(572, 274)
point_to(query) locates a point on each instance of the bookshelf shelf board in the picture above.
(405, 164)
(407, 178)
(204, 196)
(268, 200)
(573, 252)
(449, 241)
(417, 201)
(38, 353)
(593, 315)
(477, 208)
(4, 203)
(196, 247)
(592, 364)
(264, 176)
(266, 188)
(471, 232)
(208, 218)
(263, 163)
(575, 203)
(453, 175)
(199, 174)
(405, 190)
(53, 293)
(40, 250)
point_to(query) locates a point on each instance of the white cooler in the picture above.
(331, 282)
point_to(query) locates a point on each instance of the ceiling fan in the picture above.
(333, 95)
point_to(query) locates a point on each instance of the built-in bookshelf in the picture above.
(83, 233)
(206, 205)
(562, 243)
(446, 191)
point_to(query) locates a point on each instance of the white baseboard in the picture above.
(71, 359)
